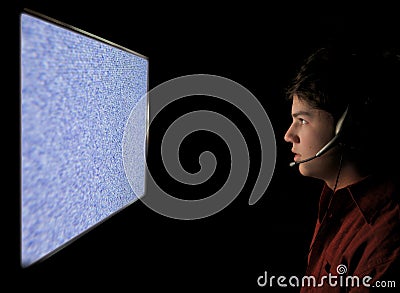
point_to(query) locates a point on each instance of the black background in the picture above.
(259, 47)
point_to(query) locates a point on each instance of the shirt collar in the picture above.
(369, 196)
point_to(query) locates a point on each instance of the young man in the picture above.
(343, 128)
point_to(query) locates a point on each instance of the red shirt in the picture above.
(357, 239)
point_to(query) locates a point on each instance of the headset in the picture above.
(330, 144)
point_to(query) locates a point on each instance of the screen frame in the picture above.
(84, 33)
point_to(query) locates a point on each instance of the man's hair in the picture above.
(366, 81)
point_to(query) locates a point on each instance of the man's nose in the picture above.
(290, 136)
(287, 137)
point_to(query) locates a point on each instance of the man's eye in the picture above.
(302, 121)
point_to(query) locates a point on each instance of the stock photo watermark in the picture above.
(229, 91)
(341, 280)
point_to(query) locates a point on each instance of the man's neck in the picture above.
(347, 175)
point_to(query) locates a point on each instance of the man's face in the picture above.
(310, 130)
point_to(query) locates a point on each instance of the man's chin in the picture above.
(305, 170)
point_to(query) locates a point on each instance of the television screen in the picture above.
(77, 93)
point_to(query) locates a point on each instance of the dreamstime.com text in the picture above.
(328, 280)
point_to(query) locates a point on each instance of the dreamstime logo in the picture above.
(341, 269)
(330, 280)
(231, 92)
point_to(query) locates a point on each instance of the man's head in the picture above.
(331, 81)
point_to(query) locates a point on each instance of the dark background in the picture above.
(259, 47)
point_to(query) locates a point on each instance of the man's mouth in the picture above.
(296, 156)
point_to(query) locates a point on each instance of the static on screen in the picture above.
(77, 93)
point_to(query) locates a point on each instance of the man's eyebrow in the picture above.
(301, 113)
